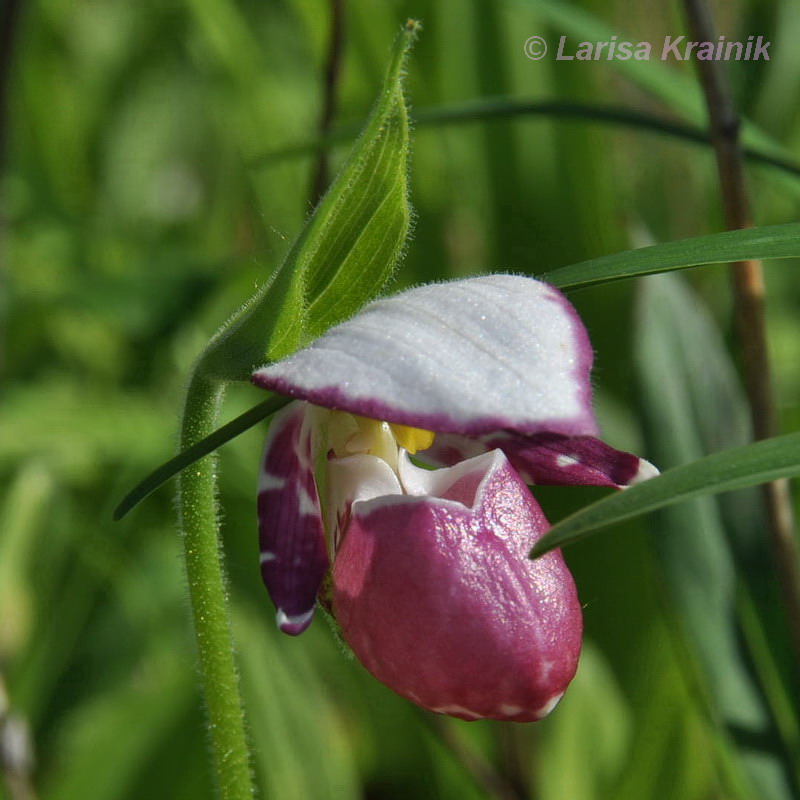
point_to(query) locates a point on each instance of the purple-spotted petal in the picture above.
(472, 356)
(294, 559)
(438, 600)
(549, 458)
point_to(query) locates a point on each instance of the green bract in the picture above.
(344, 255)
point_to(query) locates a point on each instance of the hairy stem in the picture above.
(197, 510)
(748, 293)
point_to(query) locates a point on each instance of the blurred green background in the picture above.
(137, 214)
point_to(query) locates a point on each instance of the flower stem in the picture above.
(333, 70)
(749, 301)
(198, 519)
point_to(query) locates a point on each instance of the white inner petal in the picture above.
(352, 479)
(362, 477)
(435, 483)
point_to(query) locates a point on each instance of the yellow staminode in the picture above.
(412, 439)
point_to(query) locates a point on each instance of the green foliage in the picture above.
(709, 548)
(136, 215)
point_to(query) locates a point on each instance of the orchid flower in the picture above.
(426, 571)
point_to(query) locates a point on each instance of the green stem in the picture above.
(749, 308)
(198, 519)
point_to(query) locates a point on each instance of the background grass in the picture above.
(137, 213)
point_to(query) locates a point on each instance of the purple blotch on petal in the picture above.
(294, 557)
(553, 459)
(548, 458)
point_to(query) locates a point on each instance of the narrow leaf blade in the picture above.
(736, 468)
(770, 241)
(190, 455)
(493, 107)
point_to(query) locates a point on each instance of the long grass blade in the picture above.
(736, 468)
